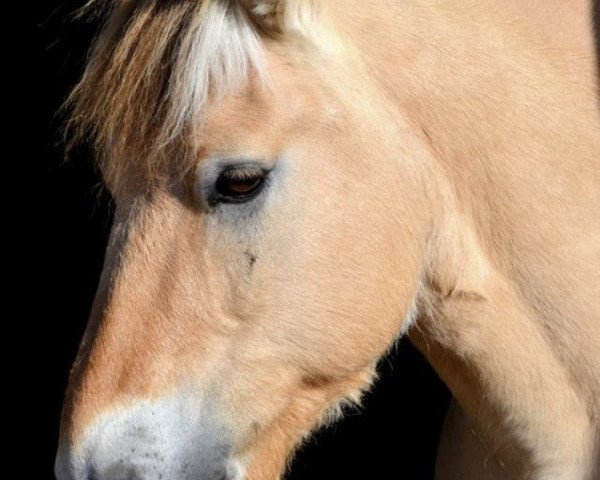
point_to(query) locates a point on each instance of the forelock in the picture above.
(153, 70)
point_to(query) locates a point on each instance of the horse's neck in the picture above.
(510, 115)
(506, 97)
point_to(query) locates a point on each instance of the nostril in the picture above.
(92, 475)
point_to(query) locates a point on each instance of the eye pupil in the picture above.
(239, 184)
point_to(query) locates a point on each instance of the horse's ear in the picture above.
(268, 15)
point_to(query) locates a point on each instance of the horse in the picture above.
(299, 183)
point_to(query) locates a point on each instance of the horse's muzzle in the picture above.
(166, 440)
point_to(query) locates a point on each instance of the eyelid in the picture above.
(243, 172)
(208, 171)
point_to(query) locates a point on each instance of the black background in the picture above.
(67, 216)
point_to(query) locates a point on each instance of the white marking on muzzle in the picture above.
(174, 439)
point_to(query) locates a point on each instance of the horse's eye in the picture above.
(239, 184)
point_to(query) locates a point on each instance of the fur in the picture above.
(440, 171)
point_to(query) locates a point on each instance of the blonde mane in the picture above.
(153, 69)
